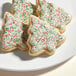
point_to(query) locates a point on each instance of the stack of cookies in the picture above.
(37, 28)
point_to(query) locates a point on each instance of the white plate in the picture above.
(21, 61)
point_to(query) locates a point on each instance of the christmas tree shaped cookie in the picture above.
(42, 37)
(56, 16)
(12, 34)
(22, 9)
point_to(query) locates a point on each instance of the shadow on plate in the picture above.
(31, 73)
(6, 8)
(24, 56)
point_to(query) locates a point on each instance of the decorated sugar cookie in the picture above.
(22, 9)
(56, 16)
(13, 34)
(43, 37)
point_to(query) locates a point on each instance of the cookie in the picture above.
(22, 9)
(56, 16)
(42, 37)
(13, 34)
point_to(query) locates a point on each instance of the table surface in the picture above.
(66, 69)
